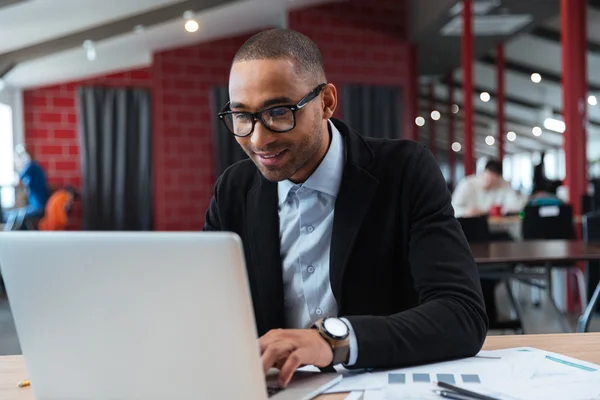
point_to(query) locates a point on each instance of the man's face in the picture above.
(259, 84)
(490, 179)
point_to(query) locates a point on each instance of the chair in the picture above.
(477, 230)
(548, 223)
(591, 232)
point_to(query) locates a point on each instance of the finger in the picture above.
(293, 362)
(275, 352)
(281, 361)
(268, 338)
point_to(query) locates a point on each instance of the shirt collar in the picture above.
(328, 175)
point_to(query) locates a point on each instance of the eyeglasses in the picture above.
(279, 119)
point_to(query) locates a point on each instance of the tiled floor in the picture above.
(536, 320)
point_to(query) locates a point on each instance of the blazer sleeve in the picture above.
(212, 221)
(450, 321)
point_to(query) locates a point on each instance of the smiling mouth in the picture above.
(269, 156)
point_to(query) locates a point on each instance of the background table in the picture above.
(535, 252)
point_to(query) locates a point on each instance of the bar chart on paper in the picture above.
(424, 377)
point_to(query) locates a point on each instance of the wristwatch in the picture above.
(337, 334)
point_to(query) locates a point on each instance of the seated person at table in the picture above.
(58, 208)
(544, 189)
(476, 195)
(335, 225)
(33, 178)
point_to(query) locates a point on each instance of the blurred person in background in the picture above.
(544, 189)
(58, 209)
(33, 178)
(476, 195)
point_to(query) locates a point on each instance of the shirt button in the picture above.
(319, 311)
(311, 269)
(310, 228)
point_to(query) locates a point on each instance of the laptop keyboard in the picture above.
(273, 390)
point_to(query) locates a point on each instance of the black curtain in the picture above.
(373, 111)
(226, 149)
(116, 154)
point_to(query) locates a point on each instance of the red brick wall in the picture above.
(361, 42)
(184, 164)
(51, 125)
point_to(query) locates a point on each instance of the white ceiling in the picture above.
(36, 21)
(135, 50)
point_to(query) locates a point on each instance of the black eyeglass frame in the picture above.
(257, 116)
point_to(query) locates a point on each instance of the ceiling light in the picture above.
(456, 147)
(485, 97)
(536, 78)
(592, 101)
(553, 124)
(490, 140)
(511, 136)
(191, 25)
(537, 131)
(455, 108)
(90, 50)
(435, 115)
(420, 121)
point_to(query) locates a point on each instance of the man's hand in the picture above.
(288, 349)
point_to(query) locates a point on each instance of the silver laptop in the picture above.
(124, 316)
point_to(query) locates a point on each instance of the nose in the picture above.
(261, 137)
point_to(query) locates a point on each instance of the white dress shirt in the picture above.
(305, 226)
(470, 194)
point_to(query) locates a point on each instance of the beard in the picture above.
(294, 155)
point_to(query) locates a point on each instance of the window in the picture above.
(7, 166)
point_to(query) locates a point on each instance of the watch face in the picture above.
(336, 328)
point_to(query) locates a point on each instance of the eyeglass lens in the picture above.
(278, 119)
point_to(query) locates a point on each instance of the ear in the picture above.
(329, 102)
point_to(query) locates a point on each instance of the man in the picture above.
(477, 194)
(336, 225)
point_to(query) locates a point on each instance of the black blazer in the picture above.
(401, 269)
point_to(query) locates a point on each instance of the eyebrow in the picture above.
(265, 104)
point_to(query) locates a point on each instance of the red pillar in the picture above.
(467, 67)
(500, 103)
(574, 81)
(451, 156)
(432, 133)
(411, 130)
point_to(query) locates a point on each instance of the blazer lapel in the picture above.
(263, 232)
(356, 192)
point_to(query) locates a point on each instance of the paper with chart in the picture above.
(510, 374)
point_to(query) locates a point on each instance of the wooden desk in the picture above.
(584, 346)
(535, 252)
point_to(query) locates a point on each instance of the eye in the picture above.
(242, 117)
(278, 112)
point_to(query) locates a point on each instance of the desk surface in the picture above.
(584, 346)
(535, 251)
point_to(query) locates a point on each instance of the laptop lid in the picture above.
(133, 315)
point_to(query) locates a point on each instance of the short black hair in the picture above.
(282, 44)
(494, 166)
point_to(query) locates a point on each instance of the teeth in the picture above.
(274, 155)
